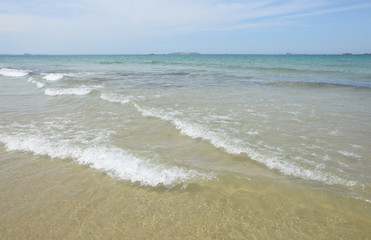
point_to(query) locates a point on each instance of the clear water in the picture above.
(235, 128)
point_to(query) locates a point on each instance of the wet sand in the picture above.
(59, 199)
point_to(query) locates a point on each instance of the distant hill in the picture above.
(185, 53)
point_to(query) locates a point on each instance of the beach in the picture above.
(185, 147)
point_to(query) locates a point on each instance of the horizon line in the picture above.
(175, 53)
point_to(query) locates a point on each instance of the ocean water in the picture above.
(183, 147)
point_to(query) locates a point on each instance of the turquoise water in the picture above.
(170, 123)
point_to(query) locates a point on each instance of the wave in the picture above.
(293, 70)
(9, 72)
(349, 154)
(67, 91)
(232, 146)
(54, 76)
(38, 84)
(115, 98)
(175, 74)
(321, 84)
(116, 162)
(112, 62)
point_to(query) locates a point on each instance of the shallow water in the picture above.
(209, 146)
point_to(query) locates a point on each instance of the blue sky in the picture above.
(164, 26)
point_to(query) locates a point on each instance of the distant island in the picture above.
(185, 53)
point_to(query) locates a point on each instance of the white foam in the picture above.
(234, 147)
(67, 91)
(326, 157)
(336, 133)
(38, 84)
(349, 154)
(54, 76)
(355, 146)
(8, 72)
(115, 161)
(124, 165)
(253, 133)
(115, 98)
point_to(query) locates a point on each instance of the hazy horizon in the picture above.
(181, 54)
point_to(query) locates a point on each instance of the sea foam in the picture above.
(9, 72)
(54, 76)
(67, 91)
(38, 84)
(349, 154)
(233, 146)
(116, 162)
(115, 98)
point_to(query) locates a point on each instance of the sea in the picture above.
(185, 147)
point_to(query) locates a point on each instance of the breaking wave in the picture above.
(37, 83)
(9, 72)
(232, 146)
(68, 91)
(115, 98)
(54, 76)
(116, 162)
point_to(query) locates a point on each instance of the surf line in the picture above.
(194, 130)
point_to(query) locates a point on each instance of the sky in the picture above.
(165, 26)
